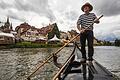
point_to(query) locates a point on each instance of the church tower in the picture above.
(11, 28)
(8, 20)
(7, 24)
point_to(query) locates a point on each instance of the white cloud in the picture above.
(64, 12)
(117, 33)
(107, 27)
(38, 21)
(107, 7)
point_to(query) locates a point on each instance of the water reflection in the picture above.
(18, 63)
(26, 62)
(86, 71)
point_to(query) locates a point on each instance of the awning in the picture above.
(54, 38)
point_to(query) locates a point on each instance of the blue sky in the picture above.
(65, 13)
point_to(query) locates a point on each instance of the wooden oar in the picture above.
(50, 57)
(54, 78)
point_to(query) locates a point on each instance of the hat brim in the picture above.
(89, 5)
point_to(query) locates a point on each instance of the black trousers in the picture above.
(87, 35)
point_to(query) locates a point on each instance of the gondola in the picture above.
(76, 70)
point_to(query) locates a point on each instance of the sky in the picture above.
(65, 13)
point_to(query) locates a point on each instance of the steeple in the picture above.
(8, 20)
(7, 24)
(11, 26)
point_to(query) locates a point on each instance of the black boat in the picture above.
(74, 70)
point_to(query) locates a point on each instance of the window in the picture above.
(1, 38)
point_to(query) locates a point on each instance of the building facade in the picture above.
(30, 33)
(6, 38)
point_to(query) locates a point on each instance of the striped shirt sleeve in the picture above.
(79, 20)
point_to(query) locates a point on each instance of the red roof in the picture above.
(26, 26)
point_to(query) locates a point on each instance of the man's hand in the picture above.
(96, 21)
(82, 31)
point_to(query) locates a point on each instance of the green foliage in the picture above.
(117, 42)
(33, 45)
(104, 43)
(107, 43)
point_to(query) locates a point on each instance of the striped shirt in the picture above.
(85, 20)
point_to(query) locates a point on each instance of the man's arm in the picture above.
(79, 28)
(78, 25)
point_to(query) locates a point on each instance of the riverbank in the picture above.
(31, 45)
(18, 63)
(41, 45)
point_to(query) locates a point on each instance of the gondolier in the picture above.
(86, 29)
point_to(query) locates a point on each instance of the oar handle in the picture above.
(99, 17)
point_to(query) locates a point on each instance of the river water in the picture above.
(19, 63)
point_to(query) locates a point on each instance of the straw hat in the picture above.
(87, 4)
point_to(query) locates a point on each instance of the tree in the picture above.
(117, 42)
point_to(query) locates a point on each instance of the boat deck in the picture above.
(89, 72)
(74, 70)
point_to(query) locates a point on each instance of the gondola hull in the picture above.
(74, 70)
